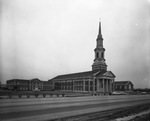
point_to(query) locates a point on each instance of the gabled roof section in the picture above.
(18, 80)
(122, 82)
(35, 79)
(109, 74)
(24, 79)
(78, 75)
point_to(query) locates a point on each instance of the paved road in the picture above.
(49, 108)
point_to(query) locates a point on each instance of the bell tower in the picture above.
(99, 61)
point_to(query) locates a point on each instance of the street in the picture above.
(32, 109)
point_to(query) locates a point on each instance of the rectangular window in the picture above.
(95, 88)
(86, 82)
(86, 88)
(91, 88)
(91, 83)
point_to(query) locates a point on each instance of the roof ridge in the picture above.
(122, 81)
(76, 73)
(97, 72)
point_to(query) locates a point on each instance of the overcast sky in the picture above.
(45, 38)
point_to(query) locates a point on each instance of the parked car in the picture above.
(118, 93)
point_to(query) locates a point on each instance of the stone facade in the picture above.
(29, 85)
(123, 86)
(18, 84)
(91, 81)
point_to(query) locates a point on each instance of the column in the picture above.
(42, 85)
(94, 84)
(89, 86)
(103, 86)
(110, 85)
(72, 85)
(97, 85)
(100, 84)
(30, 85)
(107, 85)
(84, 85)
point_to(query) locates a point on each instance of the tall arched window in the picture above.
(102, 55)
(97, 55)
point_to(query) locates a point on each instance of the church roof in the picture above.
(80, 75)
(17, 80)
(122, 82)
(34, 79)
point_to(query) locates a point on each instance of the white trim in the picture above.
(96, 73)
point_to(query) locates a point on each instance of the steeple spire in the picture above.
(99, 33)
(99, 61)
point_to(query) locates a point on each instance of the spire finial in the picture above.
(99, 33)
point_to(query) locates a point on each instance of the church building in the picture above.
(98, 80)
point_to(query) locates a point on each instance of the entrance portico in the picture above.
(104, 85)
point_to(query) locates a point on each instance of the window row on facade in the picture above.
(88, 85)
(34, 84)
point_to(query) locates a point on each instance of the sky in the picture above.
(45, 38)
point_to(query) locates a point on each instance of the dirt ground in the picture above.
(112, 115)
(145, 117)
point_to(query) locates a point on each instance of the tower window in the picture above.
(102, 55)
(97, 55)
